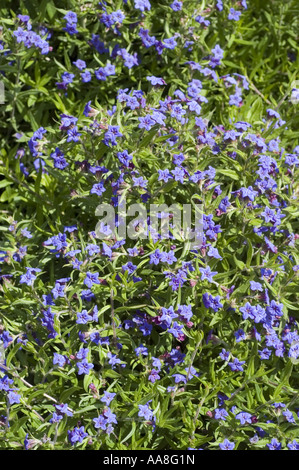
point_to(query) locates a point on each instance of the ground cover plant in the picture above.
(149, 341)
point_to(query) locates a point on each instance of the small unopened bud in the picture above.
(93, 387)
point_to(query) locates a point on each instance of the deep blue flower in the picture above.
(227, 445)
(274, 444)
(84, 367)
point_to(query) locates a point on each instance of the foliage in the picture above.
(175, 102)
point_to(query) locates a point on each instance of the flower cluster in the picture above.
(162, 330)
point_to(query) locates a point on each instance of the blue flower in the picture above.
(236, 365)
(227, 445)
(108, 397)
(145, 412)
(234, 14)
(13, 397)
(146, 122)
(155, 80)
(91, 278)
(274, 444)
(142, 5)
(84, 367)
(29, 277)
(244, 417)
(141, 350)
(176, 5)
(80, 64)
(220, 413)
(77, 435)
(206, 273)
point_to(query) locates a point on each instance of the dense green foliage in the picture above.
(60, 160)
